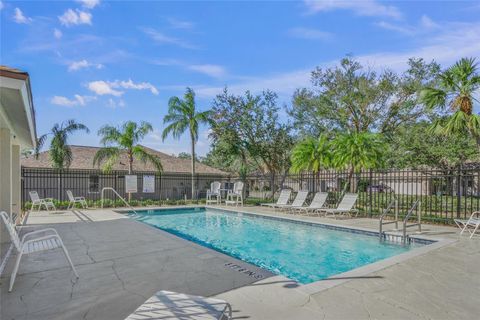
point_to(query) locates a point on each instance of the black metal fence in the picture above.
(443, 194)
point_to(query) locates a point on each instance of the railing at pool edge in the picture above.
(392, 203)
(114, 191)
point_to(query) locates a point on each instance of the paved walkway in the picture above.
(123, 262)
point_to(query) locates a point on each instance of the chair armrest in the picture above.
(47, 199)
(26, 235)
(79, 198)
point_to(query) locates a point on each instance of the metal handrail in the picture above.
(405, 221)
(385, 212)
(114, 191)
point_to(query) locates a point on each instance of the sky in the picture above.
(106, 62)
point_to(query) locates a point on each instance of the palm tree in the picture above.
(182, 116)
(356, 151)
(311, 155)
(60, 152)
(456, 88)
(124, 139)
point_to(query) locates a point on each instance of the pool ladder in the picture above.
(123, 199)
(405, 225)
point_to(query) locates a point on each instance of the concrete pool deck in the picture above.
(120, 268)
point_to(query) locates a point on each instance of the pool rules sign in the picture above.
(131, 183)
(148, 184)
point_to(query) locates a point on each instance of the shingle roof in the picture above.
(83, 159)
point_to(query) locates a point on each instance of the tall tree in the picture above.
(455, 88)
(248, 126)
(124, 139)
(356, 151)
(60, 152)
(183, 116)
(352, 98)
(311, 154)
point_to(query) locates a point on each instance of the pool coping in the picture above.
(430, 244)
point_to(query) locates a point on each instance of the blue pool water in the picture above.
(302, 252)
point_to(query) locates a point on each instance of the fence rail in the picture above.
(443, 194)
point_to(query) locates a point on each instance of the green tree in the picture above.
(311, 155)
(121, 140)
(247, 126)
(183, 116)
(352, 98)
(355, 151)
(455, 88)
(60, 152)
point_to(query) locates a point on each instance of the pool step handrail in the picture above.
(407, 217)
(114, 191)
(393, 204)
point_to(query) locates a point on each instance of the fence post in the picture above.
(459, 190)
(369, 193)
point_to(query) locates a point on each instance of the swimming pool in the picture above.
(302, 252)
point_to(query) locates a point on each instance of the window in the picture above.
(93, 183)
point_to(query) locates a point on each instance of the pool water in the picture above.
(302, 252)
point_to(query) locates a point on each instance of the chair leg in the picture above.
(14, 273)
(474, 230)
(69, 260)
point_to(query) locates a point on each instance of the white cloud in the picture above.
(82, 64)
(109, 87)
(103, 88)
(77, 17)
(19, 17)
(370, 8)
(162, 38)
(311, 34)
(77, 100)
(135, 86)
(115, 104)
(1, 5)
(89, 4)
(428, 23)
(57, 33)
(392, 27)
(211, 70)
(180, 24)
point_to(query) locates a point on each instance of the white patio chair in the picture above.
(282, 200)
(472, 223)
(74, 200)
(36, 201)
(50, 240)
(173, 305)
(318, 203)
(299, 200)
(214, 192)
(345, 207)
(235, 196)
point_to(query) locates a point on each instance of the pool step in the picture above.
(395, 236)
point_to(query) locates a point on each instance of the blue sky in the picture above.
(105, 62)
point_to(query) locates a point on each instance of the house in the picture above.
(87, 180)
(17, 131)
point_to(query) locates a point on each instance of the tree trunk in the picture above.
(194, 196)
(272, 183)
(349, 181)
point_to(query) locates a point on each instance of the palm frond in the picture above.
(40, 143)
(108, 156)
(142, 155)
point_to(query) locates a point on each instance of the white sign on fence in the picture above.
(148, 184)
(130, 183)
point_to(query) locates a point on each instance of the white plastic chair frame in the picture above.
(235, 196)
(73, 200)
(36, 201)
(214, 192)
(50, 241)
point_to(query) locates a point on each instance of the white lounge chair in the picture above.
(74, 200)
(299, 200)
(318, 203)
(472, 223)
(214, 192)
(36, 201)
(345, 207)
(173, 305)
(235, 196)
(282, 200)
(50, 240)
